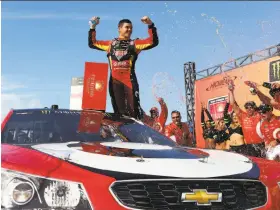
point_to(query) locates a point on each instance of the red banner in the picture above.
(95, 86)
(90, 122)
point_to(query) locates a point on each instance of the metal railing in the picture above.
(239, 62)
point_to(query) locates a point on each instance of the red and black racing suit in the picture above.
(122, 55)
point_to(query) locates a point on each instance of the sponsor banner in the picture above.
(95, 86)
(216, 107)
(213, 90)
(274, 71)
(121, 64)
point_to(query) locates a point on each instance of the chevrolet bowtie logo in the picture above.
(202, 197)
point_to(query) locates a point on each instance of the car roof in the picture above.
(112, 116)
(49, 109)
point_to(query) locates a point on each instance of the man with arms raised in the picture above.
(122, 53)
(156, 120)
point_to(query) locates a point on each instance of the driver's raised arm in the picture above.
(92, 42)
(151, 41)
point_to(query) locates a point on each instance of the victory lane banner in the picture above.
(216, 107)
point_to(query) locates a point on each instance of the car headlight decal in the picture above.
(20, 189)
(61, 194)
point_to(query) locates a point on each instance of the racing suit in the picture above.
(160, 120)
(270, 131)
(254, 142)
(180, 132)
(122, 56)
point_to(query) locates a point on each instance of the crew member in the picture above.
(156, 120)
(122, 53)
(274, 92)
(178, 131)
(208, 128)
(269, 130)
(248, 121)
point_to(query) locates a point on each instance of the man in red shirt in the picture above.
(249, 121)
(156, 120)
(269, 130)
(178, 131)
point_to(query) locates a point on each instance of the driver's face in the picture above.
(125, 30)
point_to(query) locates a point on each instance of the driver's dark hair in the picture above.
(175, 111)
(123, 21)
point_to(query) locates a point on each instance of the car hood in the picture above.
(119, 160)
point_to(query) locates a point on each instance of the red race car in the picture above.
(66, 159)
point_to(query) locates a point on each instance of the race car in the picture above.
(71, 159)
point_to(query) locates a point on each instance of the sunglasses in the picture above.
(249, 107)
(263, 111)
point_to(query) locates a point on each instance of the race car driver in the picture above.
(269, 129)
(122, 53)
(156, 120)
(249, 121)
(178, 131)
(274, 92)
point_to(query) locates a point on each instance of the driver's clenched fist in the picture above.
(94, 21)
(146, 20)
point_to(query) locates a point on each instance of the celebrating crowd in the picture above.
(177, 131)
(253, 132)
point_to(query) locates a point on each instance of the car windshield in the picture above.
(54, 126)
